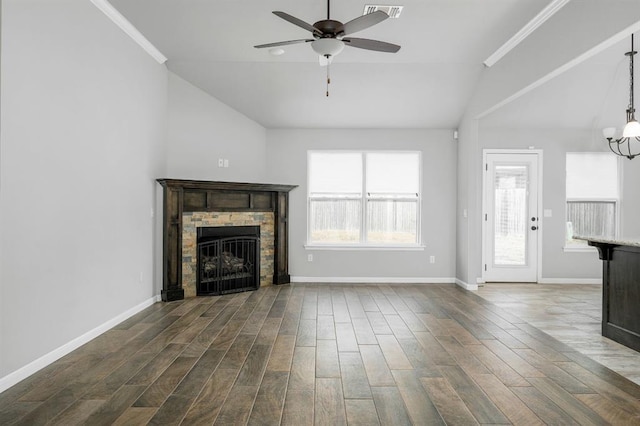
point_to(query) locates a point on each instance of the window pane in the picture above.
(392, 221)
(595, 219)
(510, 192)
(592, 188)
(335, 221)
(393, 174)
(592, 175)
(332, 174)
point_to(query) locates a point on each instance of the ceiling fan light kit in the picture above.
(327, 46)
(330, 36)
(629, 144)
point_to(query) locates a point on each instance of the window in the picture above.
(364, 198)
(592, 196)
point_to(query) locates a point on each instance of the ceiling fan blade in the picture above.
(363, 22)
(298, 22)
(283, 43)
(365, 43)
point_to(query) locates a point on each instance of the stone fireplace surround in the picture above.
(192, 221)
(186, 202)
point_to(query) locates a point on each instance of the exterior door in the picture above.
(511, 217)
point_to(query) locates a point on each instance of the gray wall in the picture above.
(89, 121)
(202, 129)
(528, 66)
(555, 143)
(83, 138)
(287, 163)
(466, 213)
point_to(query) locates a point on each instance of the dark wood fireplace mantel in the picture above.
(180, 196)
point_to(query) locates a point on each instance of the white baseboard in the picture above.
(570, 281)
(466, 286)
(22, 373)
(374, 280)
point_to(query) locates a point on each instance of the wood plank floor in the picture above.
(309, 354)
(570, 313)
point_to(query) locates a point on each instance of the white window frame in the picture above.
(364, 198)
(617, 203)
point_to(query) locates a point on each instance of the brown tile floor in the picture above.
(570, 313)
(334, 354)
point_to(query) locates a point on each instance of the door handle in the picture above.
(533, 228)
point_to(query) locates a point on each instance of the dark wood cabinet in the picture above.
(620, 292)
(181, 196)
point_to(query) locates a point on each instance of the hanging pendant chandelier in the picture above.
(629, 144)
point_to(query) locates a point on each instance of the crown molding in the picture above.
(129, 29)
(524, 32)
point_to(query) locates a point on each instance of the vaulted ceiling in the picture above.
(427, 84)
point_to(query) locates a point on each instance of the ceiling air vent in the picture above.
(392, 11)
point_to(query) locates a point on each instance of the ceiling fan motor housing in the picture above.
(329, 28)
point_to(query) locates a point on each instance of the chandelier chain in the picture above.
(631, 54)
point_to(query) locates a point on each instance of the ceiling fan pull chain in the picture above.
(328, 75)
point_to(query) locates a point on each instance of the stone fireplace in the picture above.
(193, 222)
(192, 205)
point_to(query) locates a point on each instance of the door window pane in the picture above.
(510, 204)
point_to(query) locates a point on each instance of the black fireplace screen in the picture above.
(228, 259)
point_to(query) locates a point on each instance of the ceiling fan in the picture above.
(330, 36)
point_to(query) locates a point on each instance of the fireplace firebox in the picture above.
(228, 259)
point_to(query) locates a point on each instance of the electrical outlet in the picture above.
(432, 259)
(220, 162)
(309, 258)
(226, 162)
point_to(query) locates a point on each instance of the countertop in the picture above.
(632, 242)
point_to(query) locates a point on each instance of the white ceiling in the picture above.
(593, 95)
(427, 84)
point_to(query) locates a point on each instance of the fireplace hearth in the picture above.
(228, 259)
